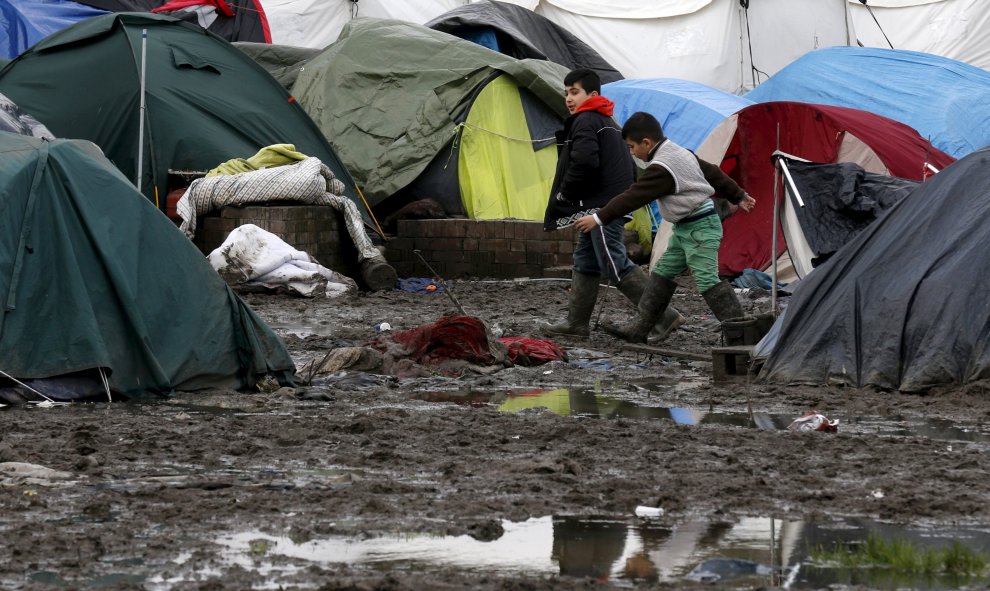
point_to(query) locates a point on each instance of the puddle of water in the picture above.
(591, 404)
(758, 551)
(302, 330)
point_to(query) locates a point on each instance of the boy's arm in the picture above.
(655, 182)
(582, 168)
(721, 182)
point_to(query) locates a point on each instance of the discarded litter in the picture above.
(648, 512)
(384, 326)
(814, 421)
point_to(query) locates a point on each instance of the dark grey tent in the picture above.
(826, 205)
(283, 62)
(92, 276)
(903, 305)
(522, 34)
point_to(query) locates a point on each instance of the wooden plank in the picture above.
(669, 352)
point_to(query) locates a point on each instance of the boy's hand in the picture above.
(586, 224)
(747, 204)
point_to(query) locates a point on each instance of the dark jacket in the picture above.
(593, 165)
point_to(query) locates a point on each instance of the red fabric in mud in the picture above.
(453, 337)
(529, 351)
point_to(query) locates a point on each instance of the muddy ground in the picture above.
(149, 488)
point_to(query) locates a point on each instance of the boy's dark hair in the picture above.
(589, 80)
(642, 125)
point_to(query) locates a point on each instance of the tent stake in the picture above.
(144, 63)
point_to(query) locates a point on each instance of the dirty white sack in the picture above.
(251, 255)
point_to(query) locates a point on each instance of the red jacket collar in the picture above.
(597, 103)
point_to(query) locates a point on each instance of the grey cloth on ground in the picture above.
(655, 300)
(580, 306)
(721, 298)
(308, 181)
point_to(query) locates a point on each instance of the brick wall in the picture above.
(502, 249)
(317, 230)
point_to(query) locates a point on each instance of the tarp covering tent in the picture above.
(947, 101)
(393, 96)
(317, 23)
(956, 29)
(521, 33)
(206, 101)
(283, 62)
(901, 306)
(743, 144)
(826, 205)
(92, 276)
(233, 20)
(716, 42)
(25, 22)
(688, 111)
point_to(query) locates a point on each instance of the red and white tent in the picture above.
(743, 144)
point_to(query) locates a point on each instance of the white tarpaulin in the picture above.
(317, 23)
(707, 41)
(956, 29)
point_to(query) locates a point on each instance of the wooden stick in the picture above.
(668, 352)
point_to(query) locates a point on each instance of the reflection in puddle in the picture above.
(756, 551)
(301, 330)
(588, 403)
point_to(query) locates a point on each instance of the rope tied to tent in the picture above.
(459, 130)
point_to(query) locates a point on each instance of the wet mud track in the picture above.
(159, 492)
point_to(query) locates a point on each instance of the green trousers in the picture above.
(693, 245)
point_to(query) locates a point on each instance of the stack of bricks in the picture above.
(501, 249)
(317, 230)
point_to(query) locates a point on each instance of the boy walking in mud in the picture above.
(593, 166)
(683, 186)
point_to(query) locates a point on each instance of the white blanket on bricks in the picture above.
(251, 255)
(308, 181)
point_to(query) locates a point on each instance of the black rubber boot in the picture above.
(722, 300)
(655, 300)
(580, 306)
(632, 286)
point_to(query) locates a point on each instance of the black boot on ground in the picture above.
(580, 306)
(654, 301)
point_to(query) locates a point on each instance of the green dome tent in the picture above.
(93, 276)
(206, 102)
(419, 111)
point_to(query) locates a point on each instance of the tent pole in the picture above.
(773, 239)
(144, 61)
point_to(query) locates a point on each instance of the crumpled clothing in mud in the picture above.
(452, 346)
(528, 351)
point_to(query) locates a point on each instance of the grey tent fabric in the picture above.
(283, 62)
(903, 305)
(839, 201)
(14, 120)
(523, 34)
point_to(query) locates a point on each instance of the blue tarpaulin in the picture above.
(945, 100)
(688, 111)
(25, 22)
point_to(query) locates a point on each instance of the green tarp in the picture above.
(207, 102)
(388, 94)
(92, 275)
(283, 62)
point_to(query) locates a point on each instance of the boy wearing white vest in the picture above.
(683, 186)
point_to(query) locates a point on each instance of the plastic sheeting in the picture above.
(945, 100)
(688, 111)
(709, 44)
(14, 120)
(834, 203)
(25, 22)
(956, 29)
(901, 306)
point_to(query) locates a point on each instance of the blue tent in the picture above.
(25, 22)
(946, 101)
(688, 111)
